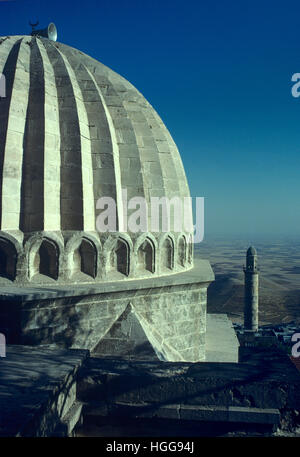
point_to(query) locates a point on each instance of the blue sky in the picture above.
(219, 74)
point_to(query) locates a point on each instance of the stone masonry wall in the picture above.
(173, 319)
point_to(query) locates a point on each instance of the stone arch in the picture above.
(45, 259)
(181, 251)
(8, 259)
(119, 257)
(85, 258)
(32, 247)
(167, 253)
(190, 250)
(82, 255)
(146, 256)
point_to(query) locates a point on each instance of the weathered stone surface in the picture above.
(49, 389)
(170, 315)
(73, 131)
(221, 343)
(37, 389)
(69, 421)
(269, 381)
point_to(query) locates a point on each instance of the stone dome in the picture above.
(73, 131)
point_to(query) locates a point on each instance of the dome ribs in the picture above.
(151, 168)
(73, 131)
(106, 158)
(166, 159)
(32, 189)
(184, 191)
(173, 172)
(8, 55)
(88, 208)
(13, 113)
(71, 190)
(129, 154)
(52, 159)
(182, 181)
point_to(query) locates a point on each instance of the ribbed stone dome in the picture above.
(72, 131)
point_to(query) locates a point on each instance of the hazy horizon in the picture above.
(219, 75)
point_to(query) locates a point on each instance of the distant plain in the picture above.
(279, 280)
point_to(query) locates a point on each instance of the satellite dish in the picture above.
(49, 32)
(52, 32)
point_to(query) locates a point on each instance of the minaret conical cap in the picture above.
(251, 251)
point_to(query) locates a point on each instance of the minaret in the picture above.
(251, 291)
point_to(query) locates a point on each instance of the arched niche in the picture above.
(182, 251)
(167, 254)
(146, 256)
(119, 258)
(8, 259)
(85, 258)
(46, 259)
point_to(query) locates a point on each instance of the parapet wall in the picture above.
(38, 391)
(49, 389)
(262, 389)
(168, 312)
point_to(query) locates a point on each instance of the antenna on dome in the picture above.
(33, 26)
(49, 32)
